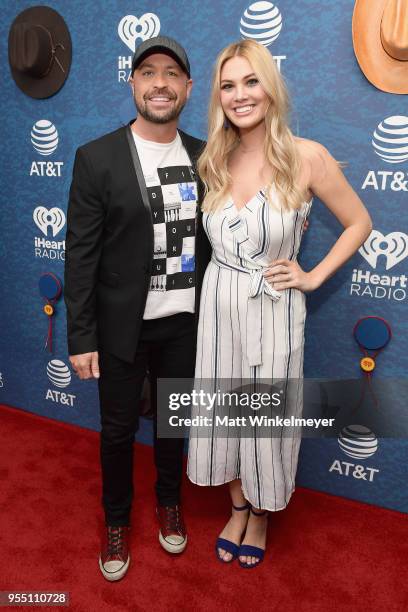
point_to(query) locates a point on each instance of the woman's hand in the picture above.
(286, 274)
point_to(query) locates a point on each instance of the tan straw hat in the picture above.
(380, 40)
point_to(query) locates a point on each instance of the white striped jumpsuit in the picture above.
(247, 330)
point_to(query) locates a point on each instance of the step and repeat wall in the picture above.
(333, 103)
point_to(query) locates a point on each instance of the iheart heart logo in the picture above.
(394, 246)
(55, 217)
(131, 28)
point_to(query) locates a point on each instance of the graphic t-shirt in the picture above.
(172, 192)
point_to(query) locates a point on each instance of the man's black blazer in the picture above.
(109, 245)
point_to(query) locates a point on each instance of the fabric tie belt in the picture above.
(258, 286)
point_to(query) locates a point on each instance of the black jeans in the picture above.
(167, 349)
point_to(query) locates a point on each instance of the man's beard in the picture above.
(171, 114)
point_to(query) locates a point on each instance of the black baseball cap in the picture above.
(162, 44)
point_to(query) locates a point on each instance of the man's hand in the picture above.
(86, 365)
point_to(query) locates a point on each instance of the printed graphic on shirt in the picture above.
(174, 206)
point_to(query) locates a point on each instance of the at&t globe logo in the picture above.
(390, 139)
(390, 144)
(58, 373)
(262, 21)
(45, 139)
(60, 376)
(357, 442)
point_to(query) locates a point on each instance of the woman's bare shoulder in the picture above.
(315, 157)
(311, 150)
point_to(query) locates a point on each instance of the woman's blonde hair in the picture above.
(280, 148)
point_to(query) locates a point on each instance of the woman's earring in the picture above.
(226, 123)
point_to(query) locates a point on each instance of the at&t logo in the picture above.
(50, 222)
(390, 143)
(132, 29)
(357, 442)
(45, 139)
(262, 22)
(391, 248)
(60, 376)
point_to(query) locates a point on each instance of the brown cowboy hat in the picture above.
(380, 40)
(40, 51)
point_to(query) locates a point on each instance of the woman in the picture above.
(260, 181)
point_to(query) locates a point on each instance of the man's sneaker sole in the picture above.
(113, 576)
(172, 548)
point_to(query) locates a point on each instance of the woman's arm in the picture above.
(329, 184)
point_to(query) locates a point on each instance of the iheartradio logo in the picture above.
(131, 28)
(44, 218)
(393, 246)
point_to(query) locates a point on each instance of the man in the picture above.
(135, 257)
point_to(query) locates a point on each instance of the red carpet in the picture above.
(325, 553)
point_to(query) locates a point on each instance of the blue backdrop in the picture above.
(332, 103)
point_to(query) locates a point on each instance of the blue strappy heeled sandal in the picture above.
(246, 550)
(227, 545)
